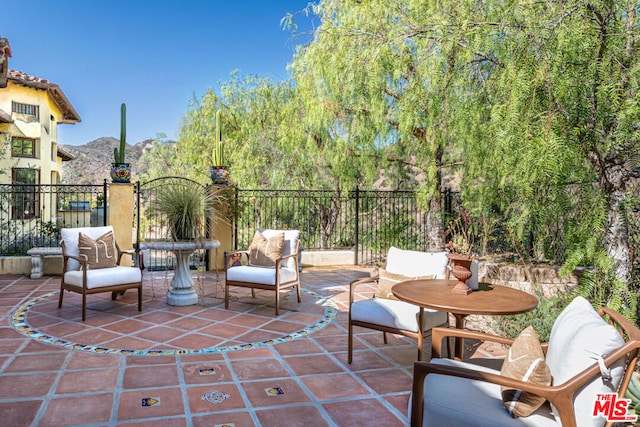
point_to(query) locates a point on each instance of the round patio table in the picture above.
(182, 291)
(488, 300)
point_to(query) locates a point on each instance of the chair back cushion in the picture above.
(577, 336)
(100, 252)
(264, 251)
(70, 238)
(386, 281)
(291, 238)
(417, 264)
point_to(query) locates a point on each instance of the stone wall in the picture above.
(542, 279)
(538, 278)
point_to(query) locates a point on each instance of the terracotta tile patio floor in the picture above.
(199, 365)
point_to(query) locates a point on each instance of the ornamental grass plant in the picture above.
(188, 211)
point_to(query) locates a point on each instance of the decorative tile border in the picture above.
(20, 323)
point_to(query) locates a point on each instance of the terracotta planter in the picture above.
(462, 271)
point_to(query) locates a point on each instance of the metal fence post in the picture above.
(357, 231)
(105, 203)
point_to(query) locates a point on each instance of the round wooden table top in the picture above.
(488, 299)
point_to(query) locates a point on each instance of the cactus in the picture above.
(218, 146)
(118, 155)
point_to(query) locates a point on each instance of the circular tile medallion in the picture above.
(19, 320)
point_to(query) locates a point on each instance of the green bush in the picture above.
(541, 318)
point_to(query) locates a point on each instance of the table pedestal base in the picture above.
(182, 292)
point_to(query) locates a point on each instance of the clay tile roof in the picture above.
(4, 117)
(65, 155)
(69, 114)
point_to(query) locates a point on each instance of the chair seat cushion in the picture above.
(261, 275)
(104, 277)
(395, 314)
(452, 401)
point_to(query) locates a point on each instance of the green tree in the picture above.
(538, 99)
(556, 84)
(381, 93)
(267, 142)
(252, 111)
(160, 159)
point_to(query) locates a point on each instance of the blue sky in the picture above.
(153, 55)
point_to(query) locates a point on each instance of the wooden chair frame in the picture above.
(419, 336)
(560, 395)
(115, 289)
(253, 286)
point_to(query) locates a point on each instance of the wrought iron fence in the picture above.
(152, 225)
(32, 215)
(367, 222)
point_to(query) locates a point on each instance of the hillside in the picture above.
(92, 163)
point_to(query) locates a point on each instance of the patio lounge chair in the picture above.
(91, 264)
(388, 314)
(270, 263)
(589, 361)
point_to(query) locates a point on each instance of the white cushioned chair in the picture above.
(79, 276)
(283, 275)
(387, 314)
(455, 393)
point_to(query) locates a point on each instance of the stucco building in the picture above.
(31, 108)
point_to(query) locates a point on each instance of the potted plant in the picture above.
(219, 171)
(184, 207)
(460, 248)
(120, 170)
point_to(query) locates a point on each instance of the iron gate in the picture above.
(152, 226)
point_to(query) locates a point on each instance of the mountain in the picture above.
(92, 163)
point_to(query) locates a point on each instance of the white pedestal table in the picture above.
(182, 291)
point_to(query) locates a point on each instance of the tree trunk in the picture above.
(435, 226)
(616, 234)
(612, 181)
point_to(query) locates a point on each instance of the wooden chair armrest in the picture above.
(422, 369)
(134, 254)
(82, 259)
(121, 252)
(288, 256)
(438, 335)
(293, 255)
(560, 395)
(354, 284)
